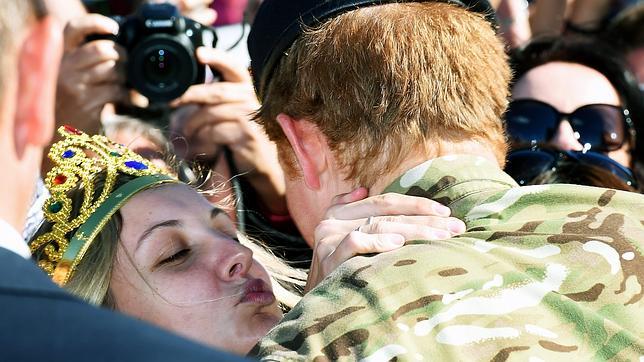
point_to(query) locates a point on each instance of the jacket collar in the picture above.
(456, 181)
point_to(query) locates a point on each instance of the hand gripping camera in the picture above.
(161, 46)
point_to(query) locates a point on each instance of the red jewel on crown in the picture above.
(60, 179)
(72, 130)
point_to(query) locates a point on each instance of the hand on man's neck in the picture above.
(444, 149)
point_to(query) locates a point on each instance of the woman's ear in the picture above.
(307, 143)
(38, 62)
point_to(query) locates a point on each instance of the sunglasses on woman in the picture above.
(600, 127)
(527, 164)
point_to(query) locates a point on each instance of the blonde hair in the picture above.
(382, 81)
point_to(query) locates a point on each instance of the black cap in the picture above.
(279, 22)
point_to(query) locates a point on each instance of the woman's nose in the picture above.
(566, 138)
(235, 261)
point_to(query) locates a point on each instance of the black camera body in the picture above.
(161, 46)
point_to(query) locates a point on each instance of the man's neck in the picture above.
(15, 206)
(461, 148)
(17, 187)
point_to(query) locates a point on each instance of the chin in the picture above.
(266, 321)
(259, 326)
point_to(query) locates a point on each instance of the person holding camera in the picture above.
(96, 70)
(211, 121)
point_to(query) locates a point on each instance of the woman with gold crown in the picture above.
(122, 233)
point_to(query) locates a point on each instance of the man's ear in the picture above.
(38, 62)
(308, 146)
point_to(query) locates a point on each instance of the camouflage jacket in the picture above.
(543, 273)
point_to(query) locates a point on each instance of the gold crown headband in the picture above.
(78, 159)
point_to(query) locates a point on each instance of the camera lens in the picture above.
(160, 67)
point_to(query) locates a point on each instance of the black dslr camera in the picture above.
(161, 46)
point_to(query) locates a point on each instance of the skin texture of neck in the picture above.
(444, 149)
(12, 193)
(20, 165)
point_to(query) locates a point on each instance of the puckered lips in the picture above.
(256, 291)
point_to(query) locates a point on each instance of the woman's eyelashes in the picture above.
(180, 251)
(175, 258)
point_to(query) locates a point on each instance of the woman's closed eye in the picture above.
(175, 258)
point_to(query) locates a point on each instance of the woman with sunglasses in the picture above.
(574, 94)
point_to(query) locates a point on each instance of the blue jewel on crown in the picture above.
(68, 154)
(136, 165)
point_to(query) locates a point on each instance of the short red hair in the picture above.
(382, 81)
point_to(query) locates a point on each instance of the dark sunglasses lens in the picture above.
(529, 121)
(525, 165)
(600, 126)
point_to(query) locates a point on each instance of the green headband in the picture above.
(79, 158)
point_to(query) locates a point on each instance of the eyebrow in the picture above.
(214, 213)
(172, 223)
(146, 233)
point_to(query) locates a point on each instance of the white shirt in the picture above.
(35, 216)
(11, 240)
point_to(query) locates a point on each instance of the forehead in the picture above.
(170, 201)
(566, 86)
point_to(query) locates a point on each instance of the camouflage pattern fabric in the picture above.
(543, 273)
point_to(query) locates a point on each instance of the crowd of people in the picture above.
(339, 180)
